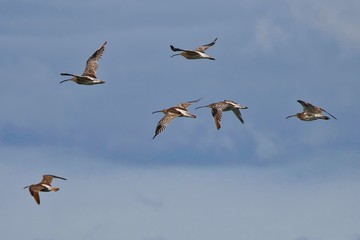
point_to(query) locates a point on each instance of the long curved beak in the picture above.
(175, 55)
(156, 111)
(202, 106)
(291, 116)
(65, 80)
(26, 187)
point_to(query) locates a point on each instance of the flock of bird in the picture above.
(88, 77)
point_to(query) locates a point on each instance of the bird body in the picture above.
(43, 186)
(89, 75)
(198, 53)
(227, 105)
(180, 110)
(311, 112)
(84, 80)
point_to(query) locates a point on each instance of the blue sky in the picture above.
(269, 178)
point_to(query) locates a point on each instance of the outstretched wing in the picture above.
(217, 114)
(185, 105)
(35, 195)
(175, 49)
(308, 107)
(237, 113)
(92, 63)
(203, 48)
(164, 122)
(47, 179)
(329, 113)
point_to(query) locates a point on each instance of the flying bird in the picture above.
(89, 75)
(180, 110)
(198, 53)
(218, 108)
(43, 186)
(311, 112)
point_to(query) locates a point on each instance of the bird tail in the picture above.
(190, 115)
(55, 189)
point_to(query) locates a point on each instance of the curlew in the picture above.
(43, 186)
(311, 112)
(218, 108)
(89, 75)
(198, 53)
(179, 110)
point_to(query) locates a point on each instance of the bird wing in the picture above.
(308, 107)
(36, 197)
(190, 53)
(237, 113)
(217, 114)
(47, 179)
(329, 113)
(175, 49)
(92, 63)
(185, 105)
(203, 48)
(164, 122)
(35, 194)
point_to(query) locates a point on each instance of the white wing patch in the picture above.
(45, 185)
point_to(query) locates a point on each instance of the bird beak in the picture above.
(156, 111)
(65, 80)
(290, 116)
(202, 107)
(26, 187)
(175, 55)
